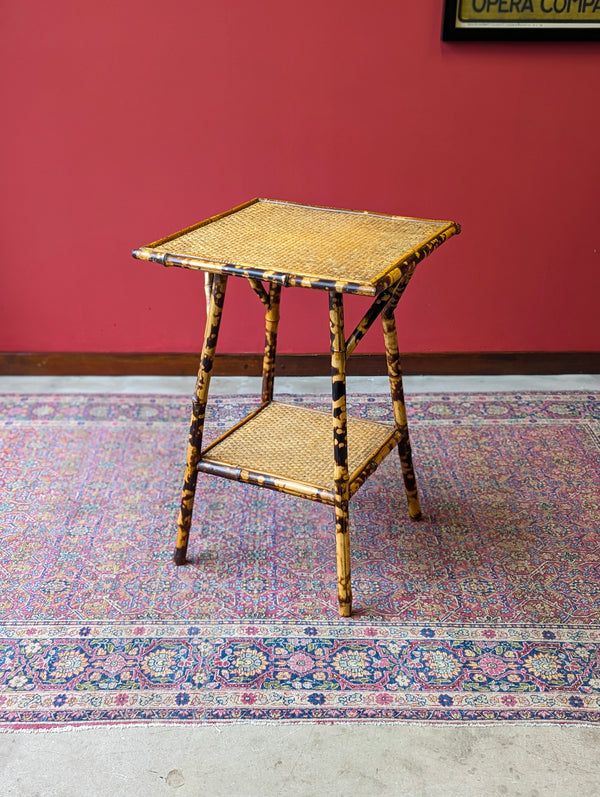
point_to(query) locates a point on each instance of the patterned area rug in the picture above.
(487, 610)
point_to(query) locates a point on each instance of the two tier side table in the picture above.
(317, 455)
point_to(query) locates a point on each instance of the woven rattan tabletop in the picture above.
(303, 245)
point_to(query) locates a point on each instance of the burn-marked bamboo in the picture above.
(260, 291)
(275, 482)
(213, 322)
(208, 285)
(405, 268)
(271, 323)
(388, 298)
(367, 320)
(340, 451)
(397, 391)
(358, 478)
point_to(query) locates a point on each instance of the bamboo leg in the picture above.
(271, 322)
(213, 321)
(404, 450)
(340, 450)
(208, 283)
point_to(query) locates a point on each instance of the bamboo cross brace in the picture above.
(386, 302)
(260, 291)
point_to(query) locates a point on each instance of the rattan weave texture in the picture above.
(296, 443)
(314, 242)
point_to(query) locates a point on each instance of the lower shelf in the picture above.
(290, 449)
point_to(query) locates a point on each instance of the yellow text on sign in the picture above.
(529, 11)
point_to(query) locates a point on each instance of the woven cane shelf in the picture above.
(303, 245)
(288, 448)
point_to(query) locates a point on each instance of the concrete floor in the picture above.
(299, 385)
(306, 760)
(359, 759)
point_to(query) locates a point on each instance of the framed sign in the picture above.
(527, 20)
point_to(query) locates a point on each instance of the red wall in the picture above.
(124, 121)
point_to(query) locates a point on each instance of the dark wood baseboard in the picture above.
(179, 364)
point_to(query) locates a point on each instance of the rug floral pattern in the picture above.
(488, 609)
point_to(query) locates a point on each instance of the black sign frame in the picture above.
(554, 29)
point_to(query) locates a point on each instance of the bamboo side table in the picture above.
(283, 447)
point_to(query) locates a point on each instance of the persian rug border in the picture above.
(286, 671)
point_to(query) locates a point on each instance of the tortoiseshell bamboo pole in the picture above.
(259, 290)
(213, 322)
(395, 376)
(271, 323)
(340, 451)
(367, 320)
(208, 283)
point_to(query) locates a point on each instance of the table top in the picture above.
(304, 245)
